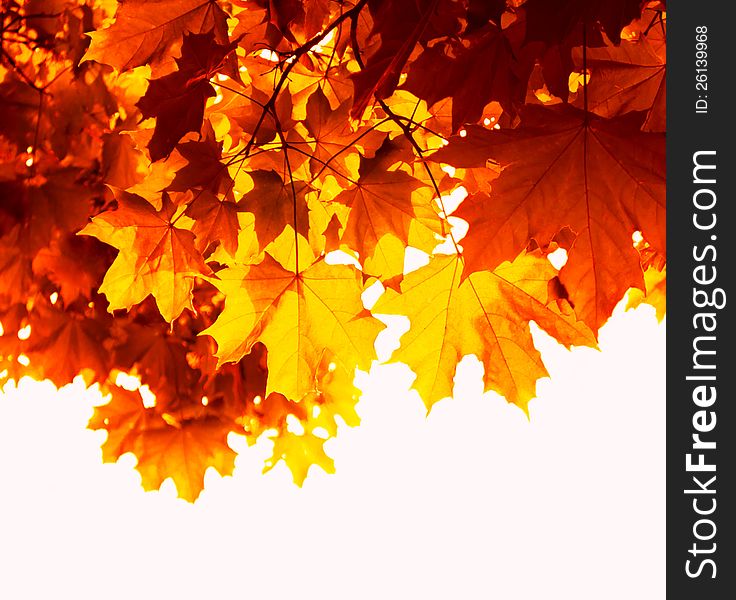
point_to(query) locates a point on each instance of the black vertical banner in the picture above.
(701, 300)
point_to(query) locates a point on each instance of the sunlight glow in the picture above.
(414, 259)
(269, 55)
(127, 381)
(372, 293)
(149, 398)
(451, 201)
(338, 257)
(458, 230)
(558, 258)
(294, 425)
(321, 432)
(470, 487)
(319, 47)
(577, 79)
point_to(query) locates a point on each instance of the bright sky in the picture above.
(473, 502)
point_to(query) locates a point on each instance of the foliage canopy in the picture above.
(198, 193)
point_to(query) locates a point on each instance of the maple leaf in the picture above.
(299, 452)
(14, 318)
(74, 264)
(552, 22)
(556, 59)
(297, 316)
(335, 144)
(155, 257)
(336, 396)
(487, 315)
(385, 202)
(79, 102)
(164, 446)
(159, 357)
(20, 109)
(122, 160)
(33, 213)
(655, 279)
(290, 19)
(441, 71)
(158, 176)
(400, 25)
(177, 100)
(45, 206)
(387, 262)
(64, 344)
(215, 221)
(315, 14)
(272, 413)
(656, 292)
(61, 115)
(16, 276)
(630, 77)
(238, 390)
(332, 234)
(204, 167)
(246, 115)
(276, 168)
(604, 179)
(145, 31)
(275, 205)
(482, 11)
(282, 13)
(309, 75)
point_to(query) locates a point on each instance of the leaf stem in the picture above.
(585, 69)
(269, 106)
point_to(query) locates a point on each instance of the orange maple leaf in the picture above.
(145, 31)
(164, 445)
(603, 179)
(156, 257)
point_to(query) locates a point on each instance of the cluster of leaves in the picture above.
(197, 194)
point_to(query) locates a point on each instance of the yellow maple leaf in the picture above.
(299, 452)
(655, 281)
(298, 316)
(488, 315)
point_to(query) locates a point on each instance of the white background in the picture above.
(472, 502)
